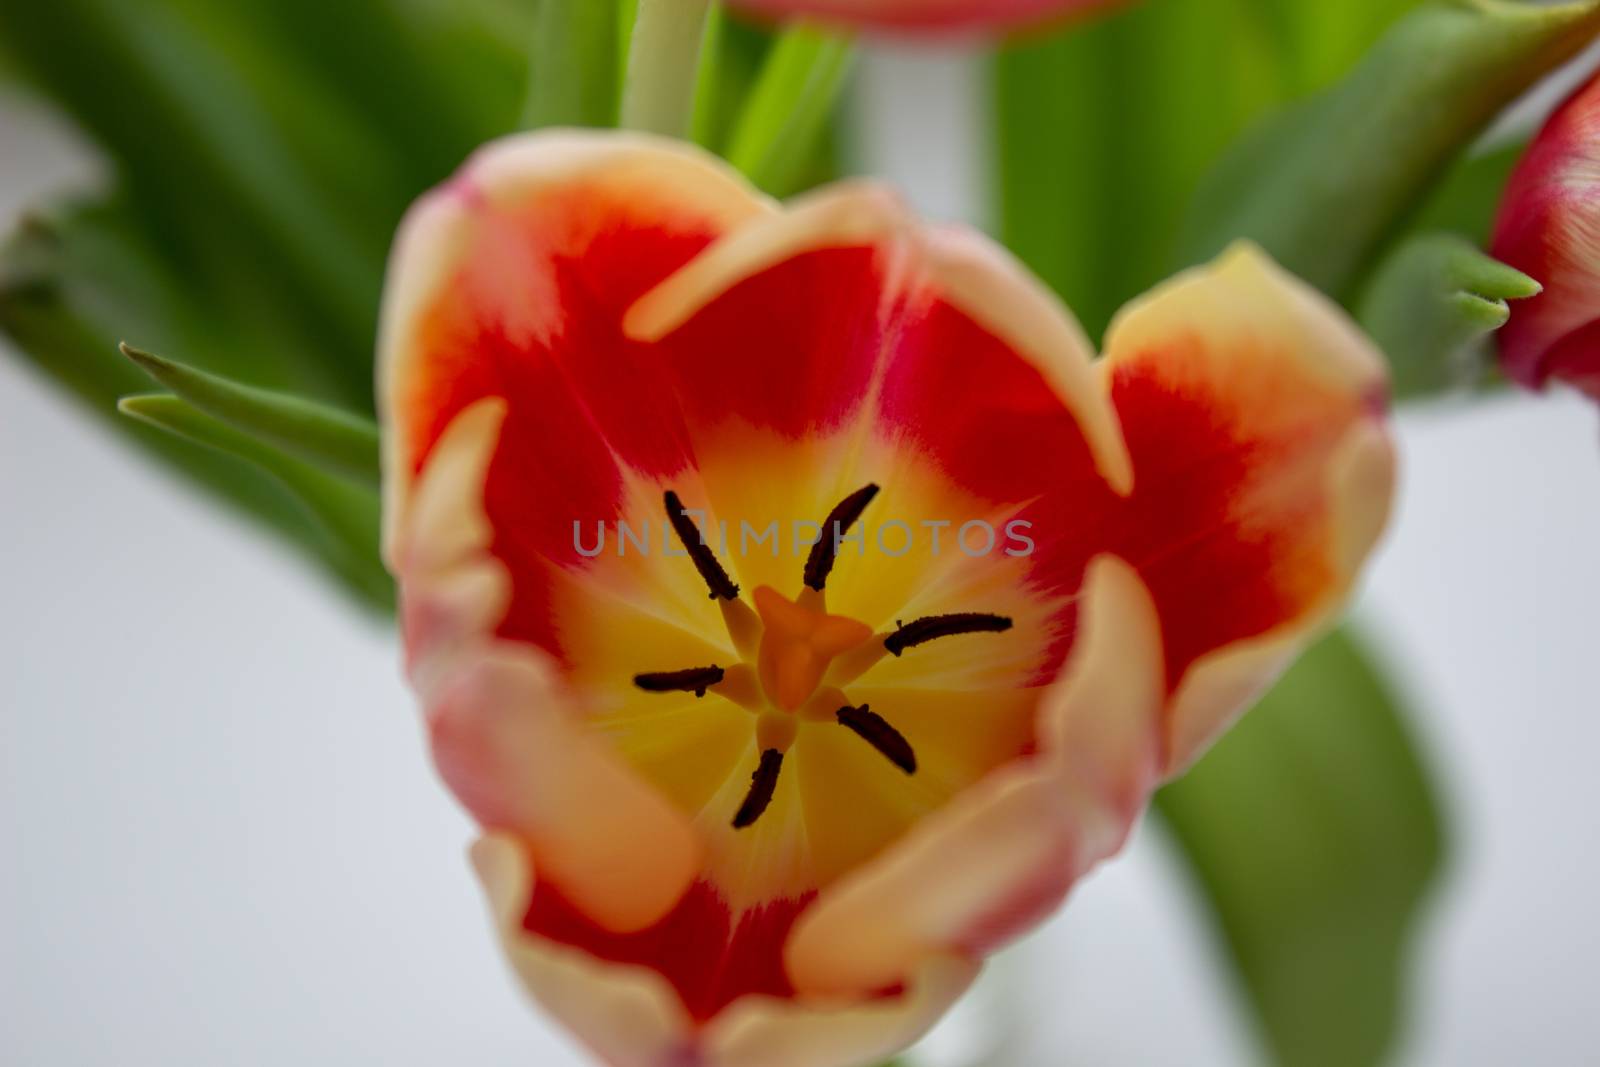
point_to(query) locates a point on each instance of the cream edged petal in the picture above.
(1003, 854)
(767, 1032)
(844, 215)
(1000, 855)
(513, 751)
(1240, 299)
(629, 1016)
(989, 286)
(441, 228)
(1221, 685)
(453, 590)
(1101, 721)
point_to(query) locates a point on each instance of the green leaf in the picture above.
(736, 52)
(1105, 130)
(775, 139)
(262, 154)
(266, 151)
(1430, 301)
(1312, 832)
(574, 79)
(334, 440)
(1467, 201)
(1333, 185)
(348, 515)
(68, 283)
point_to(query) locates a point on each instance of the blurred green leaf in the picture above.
(333, 440)
(1313, 833)
(69, 283)
(1430, 301)
(574, 77)
(348, 515)
(265, 151)
(1336, 182)
(1105, 130)
(1467, 200)
(261, 155)
(788, 109)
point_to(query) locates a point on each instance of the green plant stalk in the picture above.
(664, 66)
(573, 80)
(788, 110)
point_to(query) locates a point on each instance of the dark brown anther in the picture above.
(705, 560)
(875, 730)
(819, 564)
(933, 627)
(763, 784)
(695, 680)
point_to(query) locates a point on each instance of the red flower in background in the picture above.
(769, 803)
(1549, 228)
(928, 14)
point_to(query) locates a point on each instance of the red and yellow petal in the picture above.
(511, 281)
(1263, 473)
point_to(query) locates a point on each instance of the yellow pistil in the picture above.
(797, 645)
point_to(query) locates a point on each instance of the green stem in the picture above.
(573, 79)
(789, 108)
(664, 66)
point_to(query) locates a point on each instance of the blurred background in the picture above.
(221, 840)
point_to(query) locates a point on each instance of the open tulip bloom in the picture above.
(795, 601)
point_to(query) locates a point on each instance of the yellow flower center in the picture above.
(803, 656)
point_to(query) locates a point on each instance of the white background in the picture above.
(221, 842)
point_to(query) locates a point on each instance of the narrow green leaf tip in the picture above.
(327, 437)
(1431, 302)
(348, 515)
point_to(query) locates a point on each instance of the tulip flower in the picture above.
(794, 601)
(927, 14)
(1549, 228)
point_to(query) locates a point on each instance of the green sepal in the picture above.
(1313, 833)
(327, 437)
(1428, 304)
(775, 139)
(348, 515)
(1329, 185)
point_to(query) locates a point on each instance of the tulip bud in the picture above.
(1549, 227)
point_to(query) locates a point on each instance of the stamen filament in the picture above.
(763, 784)
(695, 680)
(933, 627)
(819, 564)
(705, 560)
(875, 730)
